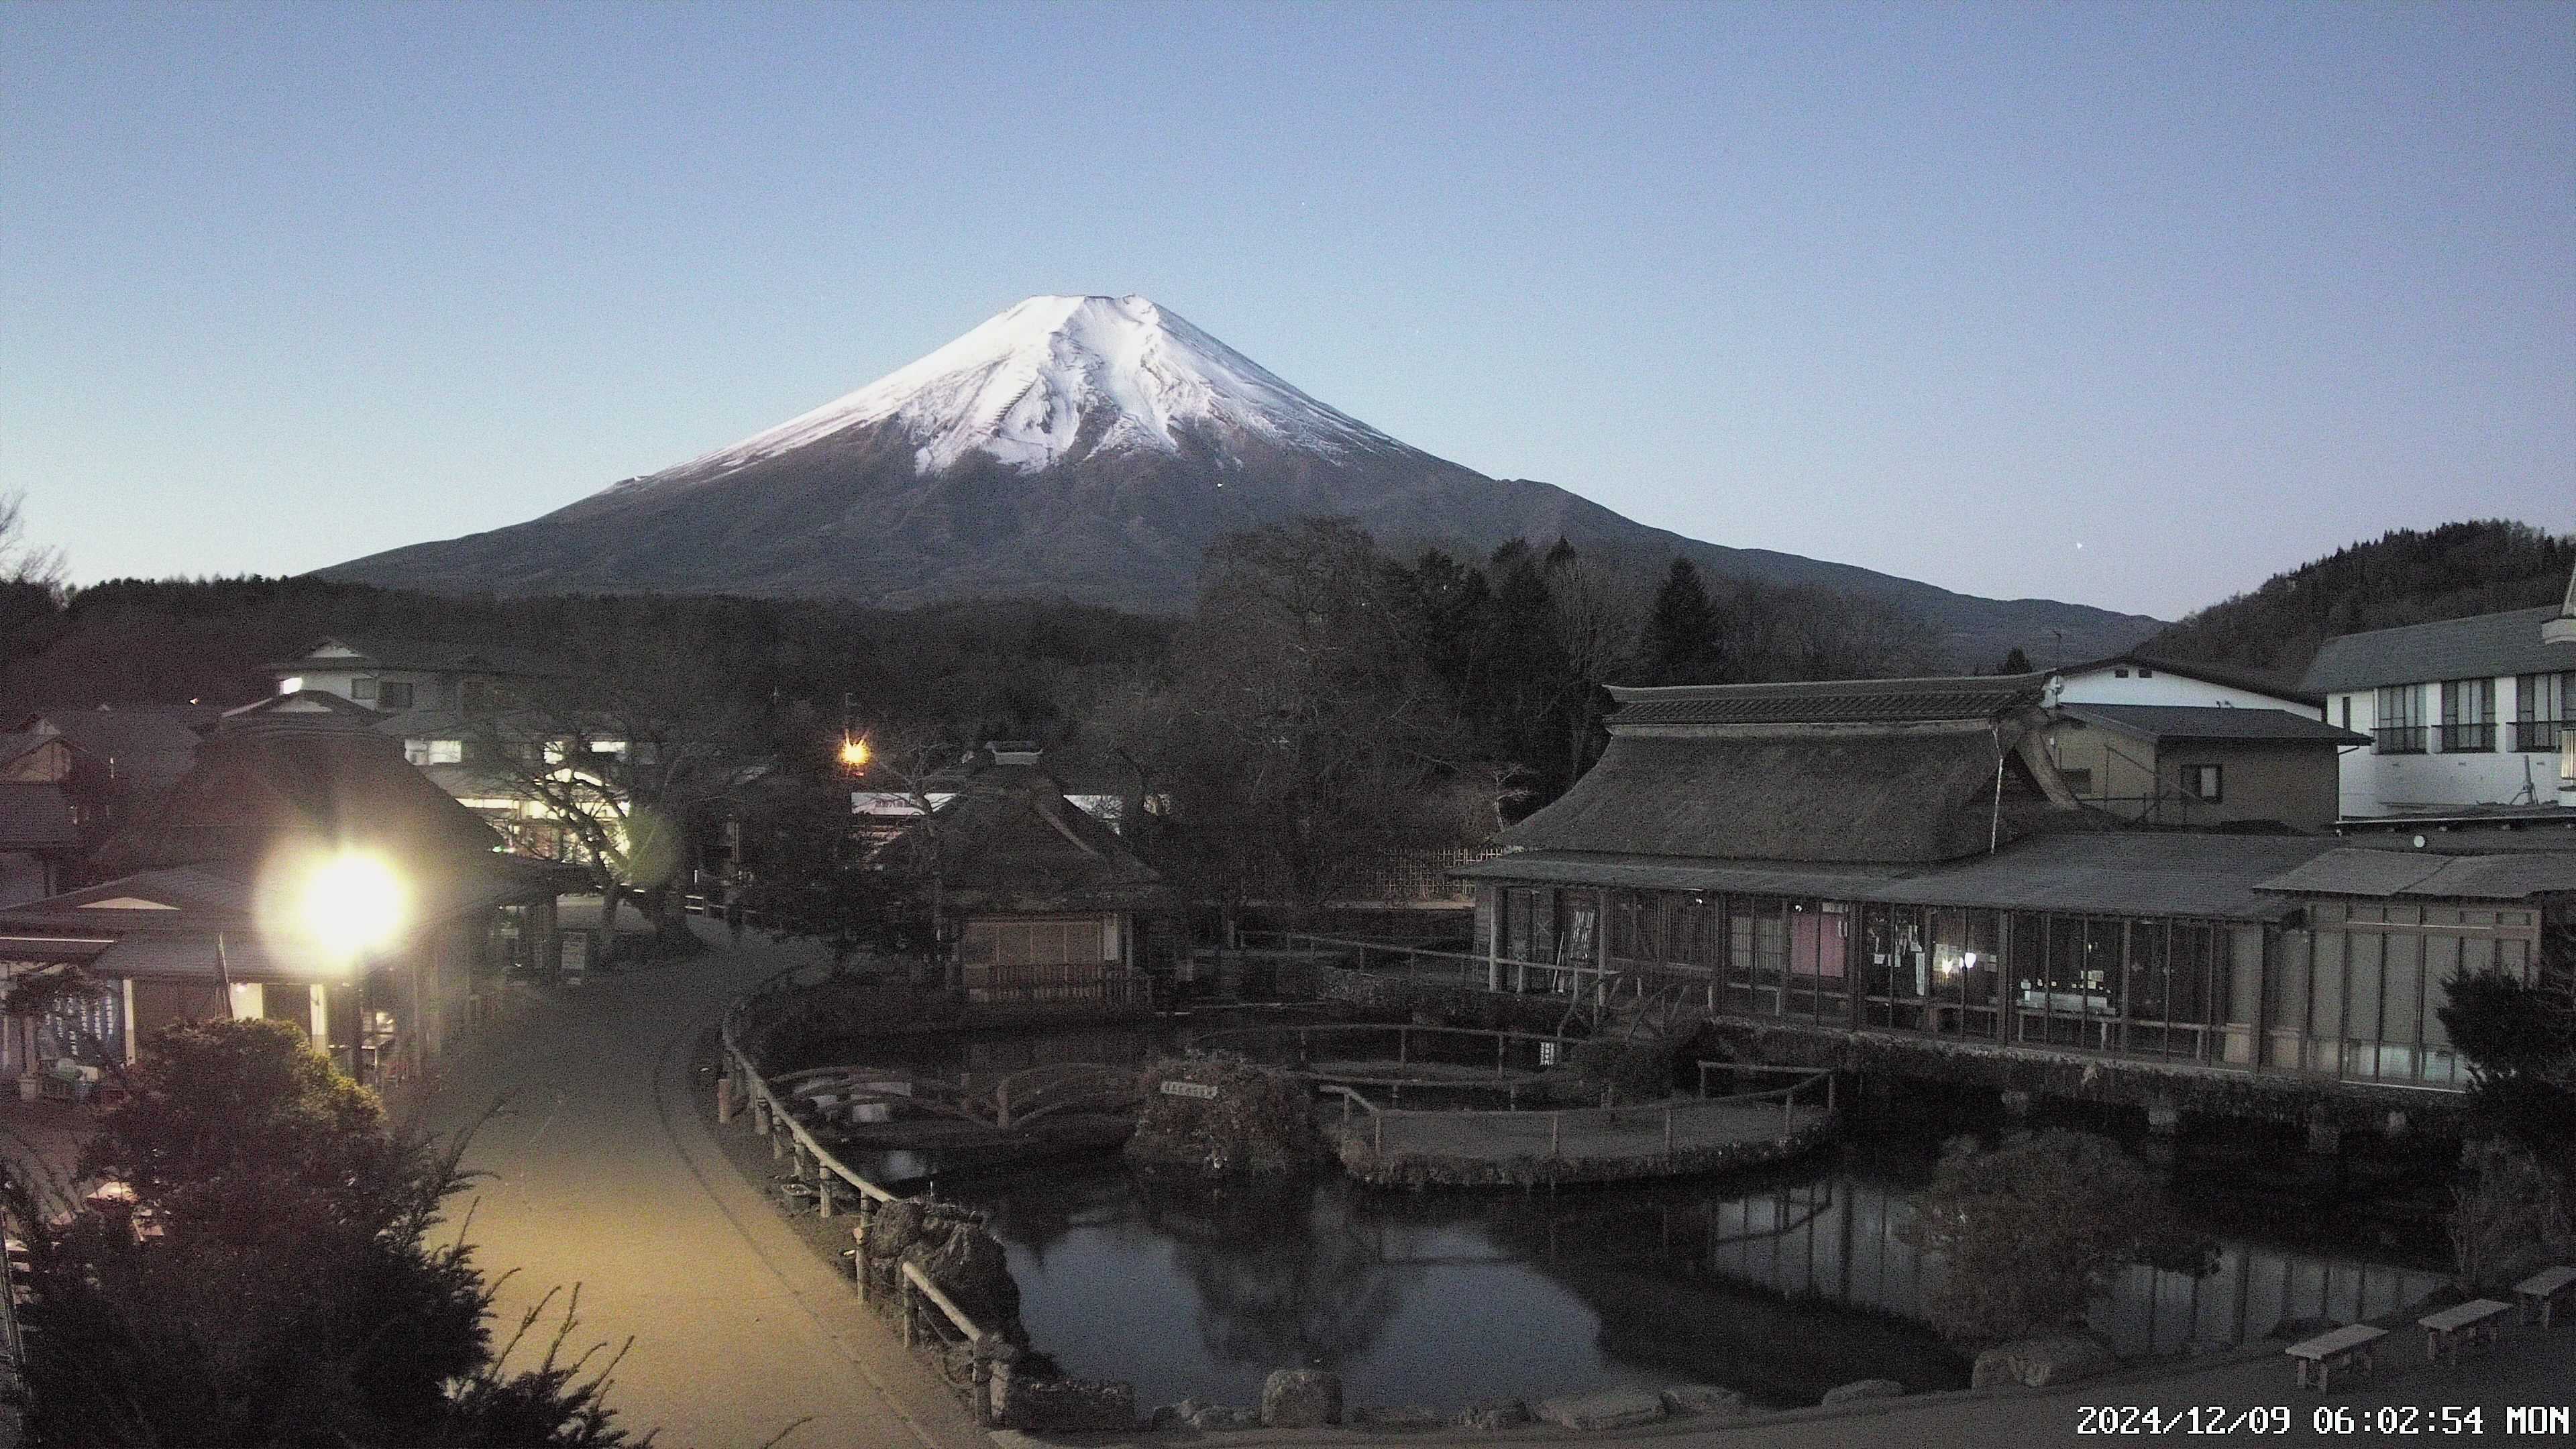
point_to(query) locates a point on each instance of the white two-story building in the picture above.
(2475, 714)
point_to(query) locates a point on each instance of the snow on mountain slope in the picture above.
(1060, 377)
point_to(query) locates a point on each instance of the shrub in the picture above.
(271, 1281)
(2031, 1230)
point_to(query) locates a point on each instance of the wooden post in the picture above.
(1555, 1129)
(911, 1309)
(983, 1376)
(724, 1098)
(1498, 1054)
(824, 1180)
(859, 1250)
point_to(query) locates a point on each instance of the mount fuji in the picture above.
(1090, 448)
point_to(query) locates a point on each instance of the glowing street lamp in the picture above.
(353, 905)
(854, 753)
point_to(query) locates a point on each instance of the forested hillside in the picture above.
(1510, 651)
(2405, 576)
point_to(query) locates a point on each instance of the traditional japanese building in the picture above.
(1903, 857)
(1044, 903)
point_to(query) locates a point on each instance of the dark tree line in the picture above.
(2405, 576)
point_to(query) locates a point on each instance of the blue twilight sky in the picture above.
(2125, 304)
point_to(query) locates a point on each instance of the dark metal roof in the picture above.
(149, 956)
(2212, 722)
(2474, 648)
(1680, 873)
(2354, 871)
(35, 817)
(2135, 873)
(1838, 701)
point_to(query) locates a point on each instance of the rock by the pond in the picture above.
(1395, 1416)
(2036, 1363)
(1174, 1416)
(1603, 1409)
(1494, 1414)
(1859, 1389)
(1071, 1406)
(1301, 1398)
(1706, 1399)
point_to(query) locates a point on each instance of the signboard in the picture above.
(1547, 1054)
(1189, 1089)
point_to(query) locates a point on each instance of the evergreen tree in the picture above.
(1681, 630)
(2015, 662)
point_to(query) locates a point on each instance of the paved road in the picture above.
(603, 1175)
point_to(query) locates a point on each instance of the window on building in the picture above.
(2543, 705)
(2078, 781)
(2203, 782)
(2468, 716)
(2397, 721)
(2119, 674)
(363, 688)
(394, 694)
(2146, 674)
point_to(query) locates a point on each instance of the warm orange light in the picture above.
(854, 753)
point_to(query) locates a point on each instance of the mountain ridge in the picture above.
(1089, 448)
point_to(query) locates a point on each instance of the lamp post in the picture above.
(354, 905)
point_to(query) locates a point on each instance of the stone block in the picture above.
(1494, 1414)
(1301, 1399)
(2037, 1363)
(1226, 1416)
(1707, 1399)
(1860, 1389)
(1603, 1409)
(1066, 1406)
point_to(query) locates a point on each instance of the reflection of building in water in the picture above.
(1843, 1240)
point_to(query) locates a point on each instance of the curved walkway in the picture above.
(601, 1174)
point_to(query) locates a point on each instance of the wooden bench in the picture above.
(2542, 1290)
(2341, 1348)
(2478, 1321)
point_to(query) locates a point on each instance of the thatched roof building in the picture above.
(1857, 771)
(1011, 843)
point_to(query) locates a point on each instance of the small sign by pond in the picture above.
(1189, 1089)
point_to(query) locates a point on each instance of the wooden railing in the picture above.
(1669, 1112)
(920, 1296)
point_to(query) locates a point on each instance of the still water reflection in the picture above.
(1781, 1289)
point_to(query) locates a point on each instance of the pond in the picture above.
(1780, 1286)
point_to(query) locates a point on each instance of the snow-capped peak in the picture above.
(1055, 373)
